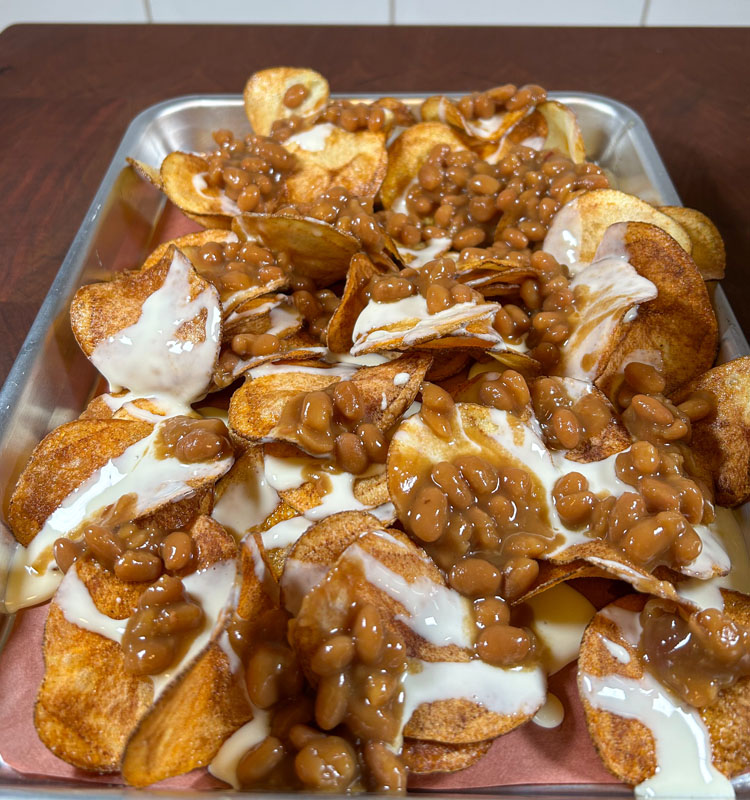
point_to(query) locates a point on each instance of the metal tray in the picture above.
(51, 380)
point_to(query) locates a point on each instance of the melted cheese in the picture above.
(313, 140)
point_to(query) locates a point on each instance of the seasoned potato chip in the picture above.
(708, 246)
(318, 250)
(407, 154)
(183, 180)
(423, 758)
(720, 440)
(678, 327)
(578, 228)
(355, 161)
(279, 92)
(492, 129)
(627, 709)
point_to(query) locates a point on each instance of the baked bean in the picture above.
(452, 484)
(519, 574)
(328, 763)
(644, 378)
(437, 409)
(475, 577)
(659, 495)
(566, 428)
(438, 299)
(271, 674)
(374, 442)
(331, 700)
(387, 773)
(571, 483)
(259, 761)
(299, 735)
(333, 656)
(480, 475)
(295, 95)
(138, 566)
(489, 611)
(698, 405)
(428, 515)
(102, 543)
(368, 634)
(390, 289)
(177, 550)
(503, 645)
(645, 457)
(350, 453)
(347, 400)
(651, 410)
(576, 508)
(66, 553)
(468, 237)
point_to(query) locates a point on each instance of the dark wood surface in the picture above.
(68, 92)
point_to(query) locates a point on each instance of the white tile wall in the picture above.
(512, 12)
(12, 11)
(322, 12)
(382, 12)
(698, 12)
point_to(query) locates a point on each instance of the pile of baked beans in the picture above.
(249, 171)
(237, 266)
(335, 421)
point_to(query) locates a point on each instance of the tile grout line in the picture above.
(644, 13)
(147, 9)
(392, 12)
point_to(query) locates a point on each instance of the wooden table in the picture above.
(68, 92)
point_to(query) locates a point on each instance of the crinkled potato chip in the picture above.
(267, 90)
(563, 132)
(407, 154)
(355, 161)
(720, 441)
(708, 247)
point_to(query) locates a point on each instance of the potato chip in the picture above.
(316, 249)
(150, 311)
(492, 129)
(720, 441)
(356, 162)
(708, 246)
(423, 758)
(147, 172)
(563, 132)
(407, 154)
(82, 648)
(578, 228)
(266, 90)
(627, 709)
(256, 409)
(678, 328)
(183, 180)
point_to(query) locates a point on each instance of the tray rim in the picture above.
(13, 785)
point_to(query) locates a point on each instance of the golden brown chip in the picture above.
(407, 154)
(456, 720)
(492, 129)
(627, 746)
(61, 462)
(563, 132)
(720, 441)
(596, 210)
(678, 327)
(266, 89)
(189, 244)
(422, 757)
(318, 250)
(88, 704)
(319, 547)
(101, 310)
(341, 325)
(708, 247)
(145, 171)
(354, 161)
(183, 179)
(256, 408)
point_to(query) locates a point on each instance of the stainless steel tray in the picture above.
(51, 380)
